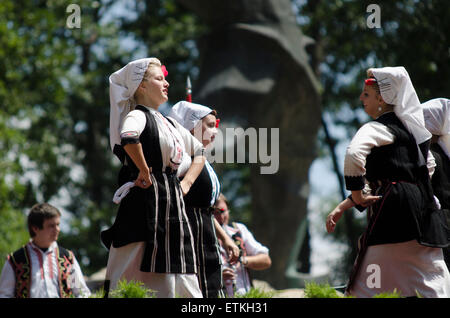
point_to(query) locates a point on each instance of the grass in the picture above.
(393, 294)
(256, 293)
(125, 289)
(313, 290)
(136, 289)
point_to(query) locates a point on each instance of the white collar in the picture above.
(50, 249)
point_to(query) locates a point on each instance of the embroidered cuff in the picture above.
(354, 183)
(129, 140)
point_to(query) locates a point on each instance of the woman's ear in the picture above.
(142, 85)
(139, 89)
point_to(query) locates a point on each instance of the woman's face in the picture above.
(221, 213)
(209, 130)
(155, 87)
(371, 101)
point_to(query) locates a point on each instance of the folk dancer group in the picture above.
(172, 215)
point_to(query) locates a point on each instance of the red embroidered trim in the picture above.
(64, 270)
(50, 264)
(41, 261)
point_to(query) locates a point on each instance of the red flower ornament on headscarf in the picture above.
(370, 81)
(164, 70)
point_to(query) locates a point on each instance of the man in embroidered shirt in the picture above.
(253, 255)
(41, 268)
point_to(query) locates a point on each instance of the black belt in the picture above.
(377, 184)
(168, 172)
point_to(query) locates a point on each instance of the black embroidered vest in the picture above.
(397, 161)
(407, 210)
(21, 264)
(199, 195)
(133, 221)
(441, 176)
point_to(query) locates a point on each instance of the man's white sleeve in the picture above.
(7, 281)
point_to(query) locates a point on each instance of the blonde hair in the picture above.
(154, 62)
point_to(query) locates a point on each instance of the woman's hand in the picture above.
(143, 180)
(185, 186)
(193, 172)
(333, 218)
(232, 250)
(364, 200)
(137, 155)
(228, 273)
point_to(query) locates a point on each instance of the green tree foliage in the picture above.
(413, 33)
(54, 118)
(33, 57)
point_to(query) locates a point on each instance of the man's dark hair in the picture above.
(38, 214)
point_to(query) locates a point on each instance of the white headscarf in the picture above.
(188, 114)
(122, 86)
(397, 89)
(437, 121)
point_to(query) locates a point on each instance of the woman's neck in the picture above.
(147, 103)
(384, 113)
(434, 139)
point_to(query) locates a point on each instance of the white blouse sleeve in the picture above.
(372, 134)
(133, 124)
(7, 281)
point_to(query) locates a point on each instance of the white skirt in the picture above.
(125, 262)
(409, 267)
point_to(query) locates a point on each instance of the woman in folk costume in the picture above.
(151, 240)
(400, 246)
(437, 121)
(202, 122)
